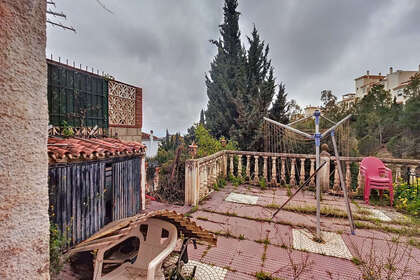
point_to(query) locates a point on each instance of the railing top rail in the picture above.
(385, 160)
(308, 156)
(279, 155)
(208, 158)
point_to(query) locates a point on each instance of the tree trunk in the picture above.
(24, 225)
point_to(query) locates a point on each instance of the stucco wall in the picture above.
(152, 148)
(126, 133)
(24, 225)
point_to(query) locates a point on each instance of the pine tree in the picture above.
(226, 76)
(280, 108)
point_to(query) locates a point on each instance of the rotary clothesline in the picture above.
(279, 136)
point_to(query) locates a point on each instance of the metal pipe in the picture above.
(335, 126)
(343, 186)
(318, 189)
(327, 119)
(299, 120)
(300, 187)
(290, 128)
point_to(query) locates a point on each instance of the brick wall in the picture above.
(131, 132)
(139, 108)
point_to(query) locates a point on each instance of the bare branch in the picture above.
(61, 25)
(51, 3)
(104, 7)
(56, 14)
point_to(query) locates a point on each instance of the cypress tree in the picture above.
(202, 119)
(280, 109)
(226, 76)
(253, 105)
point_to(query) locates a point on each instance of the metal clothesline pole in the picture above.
(317, 113)
(317, 137)
(300, 187)
(343, 185)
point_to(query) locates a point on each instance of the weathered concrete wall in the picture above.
(126, 133)
(24, 226)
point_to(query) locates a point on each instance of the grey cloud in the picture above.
(162, 46)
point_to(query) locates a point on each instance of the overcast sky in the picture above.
(163, 46)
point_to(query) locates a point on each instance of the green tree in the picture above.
(280, 108)
(413, 88)
(372, 115)
(202, 118)
(226, 77)
(208, 145)
(253, 104)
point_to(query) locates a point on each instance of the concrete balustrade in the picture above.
(256, 171)
(290, 169)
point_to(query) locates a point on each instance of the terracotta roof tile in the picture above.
(73, 148)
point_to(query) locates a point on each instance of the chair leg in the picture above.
(391, 194)
(367, 195)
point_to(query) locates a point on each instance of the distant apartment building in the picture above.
(394, 82)
(310, 110)
(364, 83)
(347, 100)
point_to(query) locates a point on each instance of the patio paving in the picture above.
(250, 241)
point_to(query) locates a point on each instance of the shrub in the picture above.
(208, 145)
(263, 183)
(407, 199)
(236, 181)
(57, 245)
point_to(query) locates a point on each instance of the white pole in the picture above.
(318, 189)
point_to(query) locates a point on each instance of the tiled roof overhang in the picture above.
(75, 149)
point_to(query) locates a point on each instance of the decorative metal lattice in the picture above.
(121, 104)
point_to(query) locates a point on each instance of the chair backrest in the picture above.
(154, 243)
(372, 165)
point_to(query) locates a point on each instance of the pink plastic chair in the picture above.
(376, 176)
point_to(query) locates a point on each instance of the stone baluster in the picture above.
(324, 172)
(256, 171)
(348, 176)
(359, 188)
(397, 173)
(231, 165)
(201, 187)
(311, 172)
(239, 166)
(200, 177)
(205, 176)
(214, 171)
(225, 164)
(302, 171)
(336, 186)
(265, 171)
(273, 171)
(293, 173)
(212, 181)
(248, 167)
(283, 172)
(413, 175)
(208, 175)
